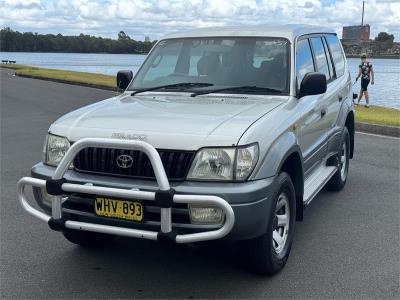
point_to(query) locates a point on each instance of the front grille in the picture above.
(104, 161)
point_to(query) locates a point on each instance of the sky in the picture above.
(140, 18)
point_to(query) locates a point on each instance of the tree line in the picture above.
(11, 40)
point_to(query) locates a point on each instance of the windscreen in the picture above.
(219, 62)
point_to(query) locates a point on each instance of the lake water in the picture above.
(385, 92)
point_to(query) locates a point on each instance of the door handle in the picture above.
(340, 98)
(323, 112)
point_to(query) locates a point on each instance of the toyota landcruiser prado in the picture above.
(223, 133)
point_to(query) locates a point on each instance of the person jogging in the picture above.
(366, 73)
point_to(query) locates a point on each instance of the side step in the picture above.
(316, 181)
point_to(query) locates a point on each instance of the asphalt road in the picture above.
(346, 247)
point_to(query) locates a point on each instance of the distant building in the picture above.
(147, 38)
(355, 34)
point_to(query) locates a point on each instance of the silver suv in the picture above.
(223, 133)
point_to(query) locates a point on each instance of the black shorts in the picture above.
(364, 84)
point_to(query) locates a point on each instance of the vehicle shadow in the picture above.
(141, 268)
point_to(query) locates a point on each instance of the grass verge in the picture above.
(373, 115)
(91, 79)
(378, 115)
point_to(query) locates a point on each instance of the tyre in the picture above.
(88, 239)
(268, 253)
(338, 181)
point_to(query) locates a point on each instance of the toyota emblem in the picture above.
(124, 161)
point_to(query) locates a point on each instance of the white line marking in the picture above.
(378, 135)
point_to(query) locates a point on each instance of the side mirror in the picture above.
(313, 84)
(123, 79)
(355, 96)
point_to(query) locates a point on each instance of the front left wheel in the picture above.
(268, 253)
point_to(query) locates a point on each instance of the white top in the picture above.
(289, 31)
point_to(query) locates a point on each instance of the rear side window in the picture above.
(329, 57)
(304, 60)
(320, 57)
(337, 53)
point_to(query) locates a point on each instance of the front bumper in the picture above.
(249, 202)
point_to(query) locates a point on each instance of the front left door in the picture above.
(312, 128)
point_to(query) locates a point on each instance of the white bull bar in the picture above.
(162, 180)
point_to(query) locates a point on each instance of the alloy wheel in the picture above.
(281, 223)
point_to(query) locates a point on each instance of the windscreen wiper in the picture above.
(178, 85)
(245, 88)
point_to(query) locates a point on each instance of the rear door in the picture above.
(331, 104)
(340, 82)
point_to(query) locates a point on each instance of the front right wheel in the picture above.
(268, 253)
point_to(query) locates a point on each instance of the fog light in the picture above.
(47, 198)
(205, 215)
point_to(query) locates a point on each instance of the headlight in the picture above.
(54, 149)
(214, 164)
(234, 163)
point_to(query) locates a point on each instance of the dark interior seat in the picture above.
(208, 65)
(272, 73)
(277, 76)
